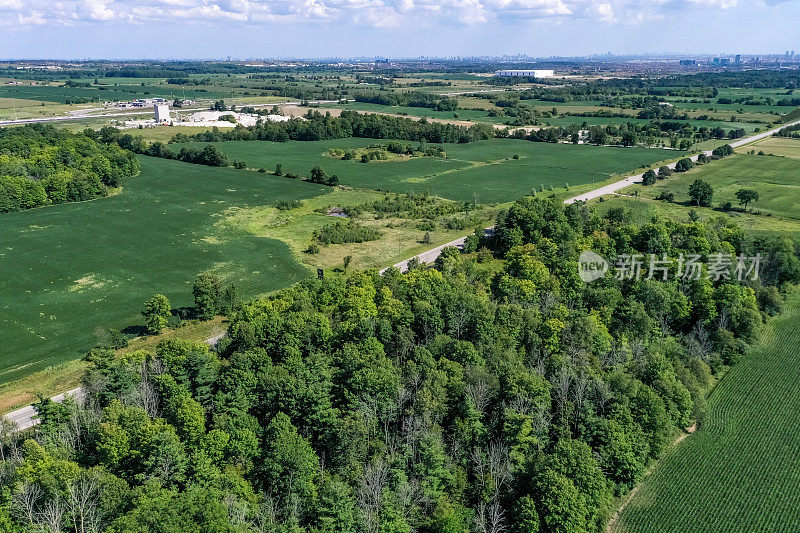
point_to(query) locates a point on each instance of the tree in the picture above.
(664, 172)
(347, 260)
(288, 463)
(317, 174)
(649, 177)
(207, 290)
(701, 193)
(426, 239)
(745, 196)
(157, 311)
(683, 165)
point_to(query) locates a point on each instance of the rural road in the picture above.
(25, 416)
(84, 115)
(429, 256)
(630, 180)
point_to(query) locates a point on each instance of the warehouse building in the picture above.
(524, 73)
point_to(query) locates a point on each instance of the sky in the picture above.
(180, 29)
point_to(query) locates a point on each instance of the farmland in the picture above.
(780, 146)
(70, 268)
(485, 170)
(775, 179)
(739, 471)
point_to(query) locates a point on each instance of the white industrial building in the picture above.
(162, 112)
(524, 73)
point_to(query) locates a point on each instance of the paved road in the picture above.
(25, 417)
(630, 180)
(430, 256)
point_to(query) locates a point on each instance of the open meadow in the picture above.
(484, 170)
(71, 268)
(781, 146)
(774, 178)
(739, 471)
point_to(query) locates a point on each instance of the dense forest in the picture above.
(41, 165)
(496, 392)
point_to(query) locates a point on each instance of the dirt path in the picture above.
(615, 517)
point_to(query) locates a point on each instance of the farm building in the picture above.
(524, 73)
(162, 112)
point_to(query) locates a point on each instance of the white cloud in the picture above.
(371, 13)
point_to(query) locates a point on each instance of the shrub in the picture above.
(343, 232)
(684, 164)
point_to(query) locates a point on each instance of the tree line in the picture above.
(41, 165)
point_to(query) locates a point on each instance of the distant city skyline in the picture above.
(124, 29)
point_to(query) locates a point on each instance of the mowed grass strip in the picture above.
(68, 269)
(486, 169)
(740, 471)
(777, 180)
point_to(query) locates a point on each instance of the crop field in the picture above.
(775, 179)
(782, 146)
(461, 114)
(53, 93)
(485, 169)
(71, 268)
(739, 472)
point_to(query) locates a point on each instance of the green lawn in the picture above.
(486, 168)
(70, 268)
(740, 471)
(777, 180)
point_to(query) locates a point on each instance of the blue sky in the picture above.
(395, 28)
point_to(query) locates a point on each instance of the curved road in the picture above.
(429, 256)
(24, 418)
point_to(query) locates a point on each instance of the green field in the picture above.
(740, 471)
(70, 268)
(782, 146)
(777, 180)
(461, 114)
(485, 169)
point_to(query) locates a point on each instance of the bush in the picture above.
(286, 205)
(722, 151)
(343, 232)
(649, 178)
(683, 165)
(666, 196)
(664, 172)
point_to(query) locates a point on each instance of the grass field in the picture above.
(739, 472)
(782, 146)
(484, 170)
(777, 180)
(71, 268)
